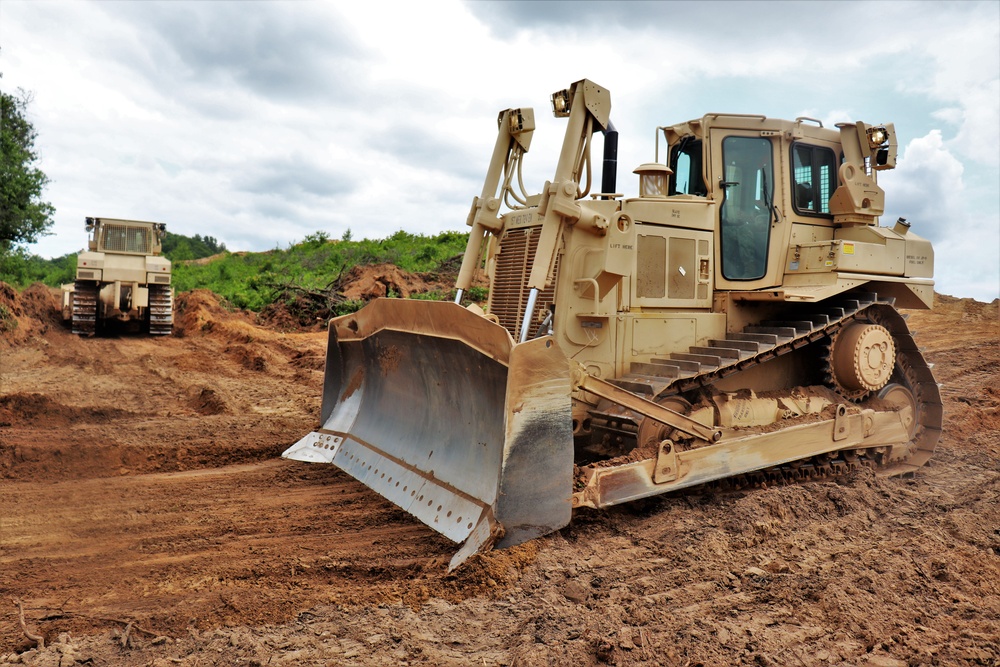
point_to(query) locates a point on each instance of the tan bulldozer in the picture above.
(121, 277)
(734, 323)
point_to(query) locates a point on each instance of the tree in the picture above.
(24, 216)
(178, 247)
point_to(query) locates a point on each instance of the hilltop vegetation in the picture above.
(20, 268)
(178, 247)
(255, 280)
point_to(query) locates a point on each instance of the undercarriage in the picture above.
(863, 396)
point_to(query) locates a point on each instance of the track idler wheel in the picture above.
(862, 356)
(901, 399)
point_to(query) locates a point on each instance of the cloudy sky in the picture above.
(261, 122)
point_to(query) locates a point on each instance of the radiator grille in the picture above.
(121, 238)
(509, 292)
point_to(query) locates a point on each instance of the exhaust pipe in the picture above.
(609, 172)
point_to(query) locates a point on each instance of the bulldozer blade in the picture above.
(436, 409)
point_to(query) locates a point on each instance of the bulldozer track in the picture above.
(813, 324)
(85, 295)
(161, 310)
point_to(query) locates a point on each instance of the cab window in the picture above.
(814, 175)
(685, 162)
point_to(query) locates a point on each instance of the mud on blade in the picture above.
(436, 409)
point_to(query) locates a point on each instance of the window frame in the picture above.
(815, 183)
(696, 172)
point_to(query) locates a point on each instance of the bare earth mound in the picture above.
(146, 519)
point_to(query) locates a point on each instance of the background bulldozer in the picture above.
(121, 277)
(736, 322)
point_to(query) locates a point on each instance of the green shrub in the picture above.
(7, 320)
(478, 294)
(20, 269)
(433, 296)
(348, 307)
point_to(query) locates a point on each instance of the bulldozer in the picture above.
(121, 277)
(736, 323)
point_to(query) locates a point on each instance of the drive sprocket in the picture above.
(861, 359)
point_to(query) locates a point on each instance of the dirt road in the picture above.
(145, 519)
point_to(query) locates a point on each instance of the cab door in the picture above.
(743, 166)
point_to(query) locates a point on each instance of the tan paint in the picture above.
(115, 275)
(678, 323)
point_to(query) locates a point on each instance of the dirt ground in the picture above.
(146, 519)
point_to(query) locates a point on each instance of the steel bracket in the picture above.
(666, 463)
(841, 424)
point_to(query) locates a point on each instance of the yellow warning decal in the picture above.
(848, 248)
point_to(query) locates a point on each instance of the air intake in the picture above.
(509, 293)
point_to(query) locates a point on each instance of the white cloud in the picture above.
(926, 187)
(962, 48)
(979, 133)
(259, 123)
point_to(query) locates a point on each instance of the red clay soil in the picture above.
(146, 519)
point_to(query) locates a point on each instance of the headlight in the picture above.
(877, 136)
(560, 103)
